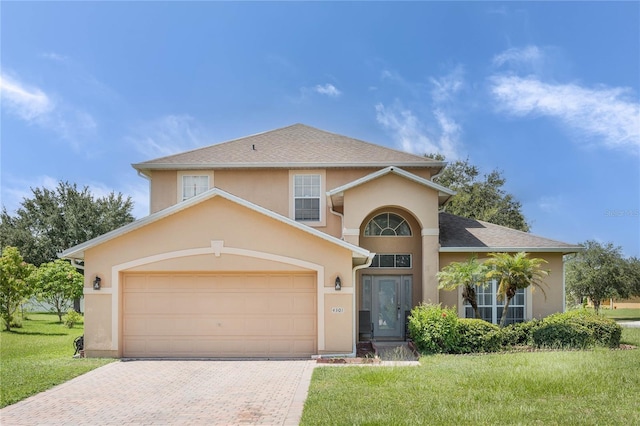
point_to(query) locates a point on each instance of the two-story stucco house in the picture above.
(292, 242)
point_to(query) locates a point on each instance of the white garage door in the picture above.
(221, 315)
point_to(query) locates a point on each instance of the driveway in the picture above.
(173, 392)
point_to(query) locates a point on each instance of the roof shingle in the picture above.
(474, 235)
(297, 145)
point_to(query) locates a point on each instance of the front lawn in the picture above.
(621, 314)
(38, 356)
(598, 386)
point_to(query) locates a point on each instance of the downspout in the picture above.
(340, 215)
(355, 330)
(76, 265)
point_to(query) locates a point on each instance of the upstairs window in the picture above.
(306, 197)
(387, 224)
(194, 185)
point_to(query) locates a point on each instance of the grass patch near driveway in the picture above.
(38, 356)
(594, 387)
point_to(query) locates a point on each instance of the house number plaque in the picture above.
(337, 310)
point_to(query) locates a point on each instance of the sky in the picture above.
(546, 92)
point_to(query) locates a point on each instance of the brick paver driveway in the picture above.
(172, 392)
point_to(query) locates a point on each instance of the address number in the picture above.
(337, 310)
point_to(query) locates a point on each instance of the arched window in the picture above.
(387, 224)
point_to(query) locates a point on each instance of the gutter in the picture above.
(355, 329)
(340, 215)
(148, 178)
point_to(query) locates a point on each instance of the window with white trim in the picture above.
(395, 260)
(193, 185)
(306, 197)
(387, 224)
(491, 308)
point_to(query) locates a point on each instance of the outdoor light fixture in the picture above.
(96, 283)
(338, 284)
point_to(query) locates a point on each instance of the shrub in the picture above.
(434, 329)
(562, 335)
(519, 333)
(477, 335)
(578, 329)
(604, 331)
(71, 318)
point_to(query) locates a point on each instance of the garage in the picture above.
(220, 315)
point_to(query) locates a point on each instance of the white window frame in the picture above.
(495, 303)
(185, 174)
(404, 220)
(321, 196)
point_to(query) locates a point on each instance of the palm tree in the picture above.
(514, 272)
(469, 274)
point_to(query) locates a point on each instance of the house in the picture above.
(288, 243)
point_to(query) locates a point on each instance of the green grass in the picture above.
(586, 387)
(621, 314)
(38, 356)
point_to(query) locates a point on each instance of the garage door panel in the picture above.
(223, 315)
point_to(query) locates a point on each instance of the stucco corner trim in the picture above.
(426, 232)
(217, 247)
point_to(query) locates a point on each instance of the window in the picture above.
(306, 198)
(194, 185)
(391, 261)
(491, 308)
(387, 224)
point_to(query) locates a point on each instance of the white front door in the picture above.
(388, 298)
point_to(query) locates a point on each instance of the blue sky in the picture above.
(546, 92)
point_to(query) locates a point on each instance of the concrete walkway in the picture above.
(633, 324)
(173, 393)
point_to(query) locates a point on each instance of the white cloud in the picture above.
(551, 203)
(605, 115)
(167, 135)
(55, 56)
(14, 190)
(34, 106)
(445, 87)
(327, 89)
(516, 56)
(411, 134)
(28, 103)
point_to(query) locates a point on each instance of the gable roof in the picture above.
(337, 194)
(77, 252)
(460, 234)
(296, 146)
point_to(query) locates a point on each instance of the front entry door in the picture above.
(388, 297)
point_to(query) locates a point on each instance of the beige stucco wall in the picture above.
(542, 304)
(163, 189)
(216, 219)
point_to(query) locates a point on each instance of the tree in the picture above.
(14, 283)
(54, 220)
(469, 275)
(514, 272)
(599, 272)
(58, 283)
(480, 198)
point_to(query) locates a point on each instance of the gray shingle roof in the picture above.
(462, 234)
(293, 146)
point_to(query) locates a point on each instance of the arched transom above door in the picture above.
(387, 224)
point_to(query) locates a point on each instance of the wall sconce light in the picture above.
(338, 284)
(96, 283)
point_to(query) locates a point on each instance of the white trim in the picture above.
(216, 248)
(427, 232)
(283, 165)
(395, 170)
(322, 200)
(510, 249)
(351, 231)
(183, 173)
(77, 252)
(90, 291)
